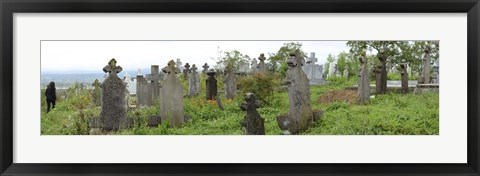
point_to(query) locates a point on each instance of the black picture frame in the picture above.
(9, 7)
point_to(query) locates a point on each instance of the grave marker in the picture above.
(253, 123)
(171, 106)
(113, 99)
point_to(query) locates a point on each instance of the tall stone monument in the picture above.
(363, 81)
(230, 83)
(186, 71)
(381, 74)
(261, 66)
(300, 114)
(404, 74)
(426, 66)
(113, 100)
(193, 82)
(171, 105)
(143, 91)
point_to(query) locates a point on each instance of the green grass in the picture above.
(390, 114)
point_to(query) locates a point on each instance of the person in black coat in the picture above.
(51, 96)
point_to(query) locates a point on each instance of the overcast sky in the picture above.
(92, 56)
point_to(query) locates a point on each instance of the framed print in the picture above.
(239, 88)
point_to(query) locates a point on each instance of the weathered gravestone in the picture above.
(425, 78)
(205, 68)
(300, 114)
(153, 80)
(254, 67)
(144, 91)
(381, 74)
(186, 71)
(261, 66)
(314, 71)
(113, 98)
(167, 71)
(404, 74)
(193, 82)
(211, 85)
(230, 83)
(97, 93)
(253, 123)
(171, 105)
(179, 65)
(363, 81)
(148, 89)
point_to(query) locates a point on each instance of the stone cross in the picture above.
(205, 68)
(154, 85)
(186, 71)
(112, 67)
(193, 82)
(426, 66)
(314, 71)
(113, 98)
(178, 64)
(211, 85)
(363, 81)
(404, 74)
(171, 105)
(312, 59)
(261, 65)
(253, 123)
(97, 93)
(300, 114)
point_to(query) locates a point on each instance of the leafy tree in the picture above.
(231, 60)
(278, 59)
(342, 61)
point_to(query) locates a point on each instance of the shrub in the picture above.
(261, 84)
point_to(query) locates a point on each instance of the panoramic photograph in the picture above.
(239, 87)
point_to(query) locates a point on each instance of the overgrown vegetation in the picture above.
(389, 114)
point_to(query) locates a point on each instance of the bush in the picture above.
(261, 84)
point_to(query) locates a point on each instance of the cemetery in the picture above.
(377, 88)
